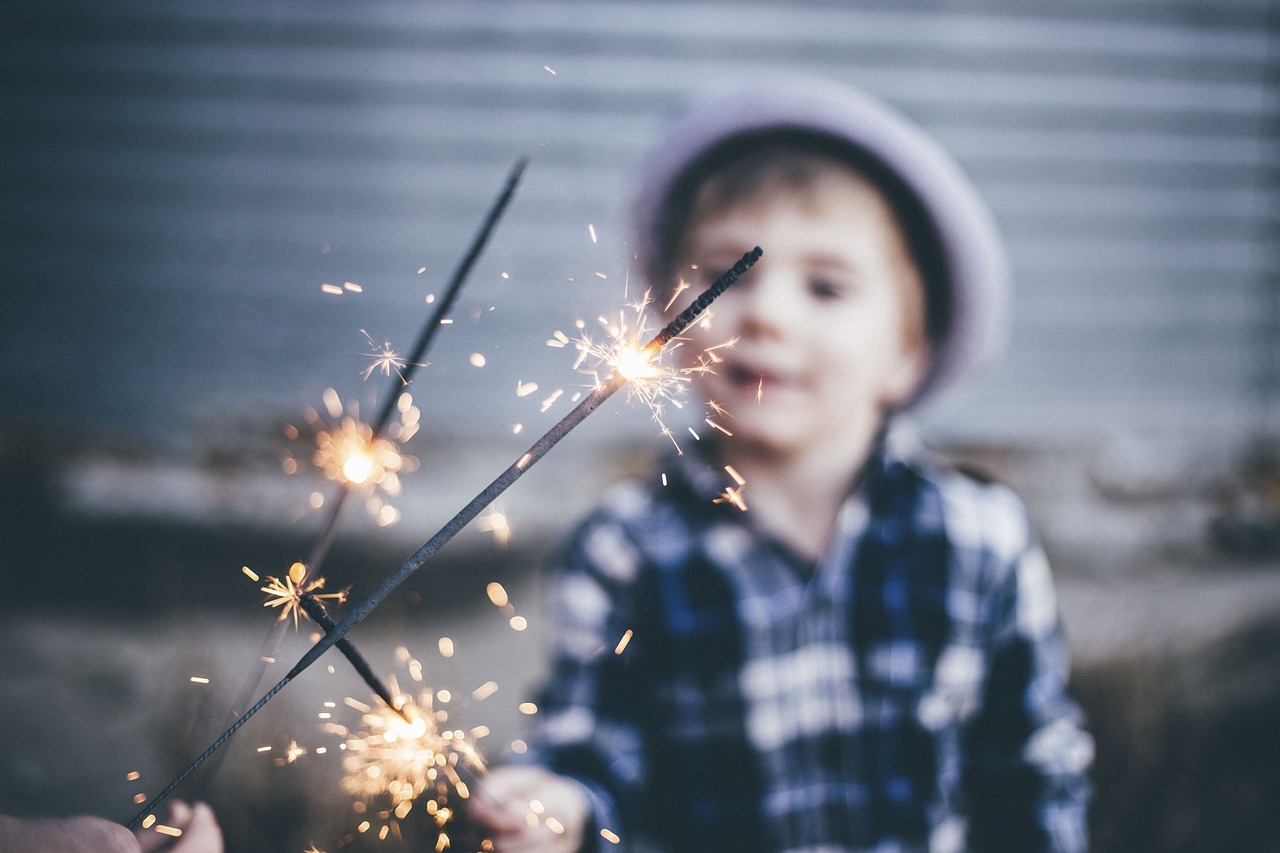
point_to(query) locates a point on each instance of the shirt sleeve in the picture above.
(1027, 753)
(591, 705)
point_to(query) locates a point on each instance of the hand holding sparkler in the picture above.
(540, 448)
(529, 808)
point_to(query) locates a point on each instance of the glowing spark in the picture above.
(484, 691)
(346, 450)
(497, 594)
(352, 286)
(518, 623)
(760, 391)
(622, 644)
(496, 523)
(675, 294)
(199, 679)
(171, 831)
(250, 573)
(287, 594)
(133, 776)
(524, 389)
(405, 760)
(732, 495)
(149, 821)
(477, 359)
(720, 427)
(551, 400)
(446, 647)
(592, 230)
(331, 289)
(733, 472)
(627, 350)
(294, 752)
(384, 360)
(559, 340)
(549, 70)
(610, 836)
(528, 708)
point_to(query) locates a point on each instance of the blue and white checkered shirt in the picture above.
(907, 693)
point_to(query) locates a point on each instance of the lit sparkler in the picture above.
(625, 350)
(381, 426)
(407, 759)
(288, 594)
(384, 360)
(603, 390)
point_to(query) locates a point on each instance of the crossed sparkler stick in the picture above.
(309, 603)
(335, 634)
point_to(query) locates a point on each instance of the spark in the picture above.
(495, 522)
(384, 360)
(625, 349)
(347, 450)
(610, 836)
(549, 70)
(408, 759)
(733, 494)
(592, 230)
(680, 288)
(331, 289)
(199, 679)
(287, 593)
(718, 426)
(622, 644)
(294, 752)
(497, 594)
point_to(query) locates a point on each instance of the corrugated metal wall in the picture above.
(180, 178)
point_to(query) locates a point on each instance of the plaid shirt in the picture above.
(907, 693)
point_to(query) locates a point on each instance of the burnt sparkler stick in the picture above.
(321, 617)
(589, 404)
(320, 549)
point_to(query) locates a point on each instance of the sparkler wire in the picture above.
(590, 403)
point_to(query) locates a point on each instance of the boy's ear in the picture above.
(906, 376)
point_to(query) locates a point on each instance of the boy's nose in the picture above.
(767, 305)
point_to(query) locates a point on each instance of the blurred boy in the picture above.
(868, 657)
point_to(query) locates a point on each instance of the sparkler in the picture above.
(653, 383)
(468, 513)
(380, 454)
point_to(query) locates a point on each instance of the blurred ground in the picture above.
(121, 581)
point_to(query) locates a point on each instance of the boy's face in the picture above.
(827, 323)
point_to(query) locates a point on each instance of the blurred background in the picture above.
(214, 212)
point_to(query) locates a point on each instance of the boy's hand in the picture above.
(531, 810)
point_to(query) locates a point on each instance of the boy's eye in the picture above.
(824, 289)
